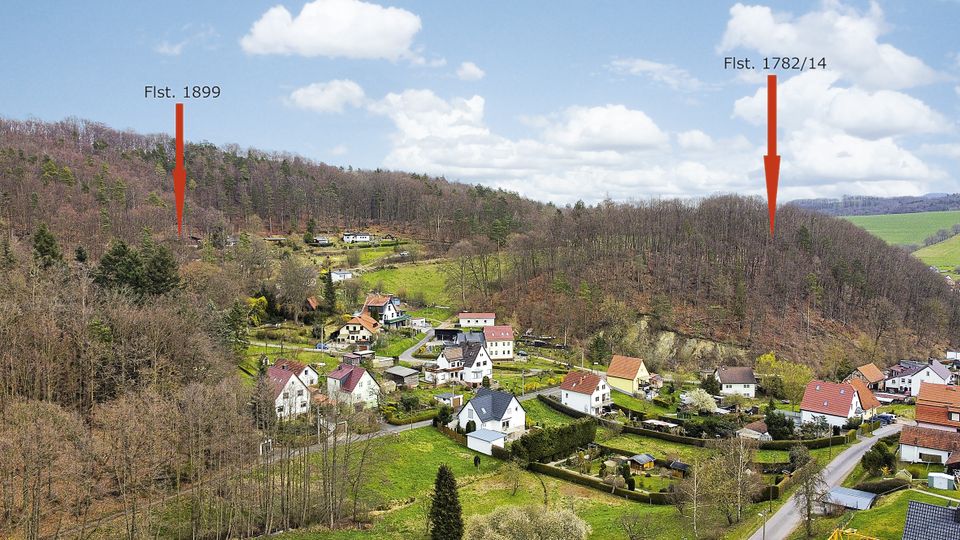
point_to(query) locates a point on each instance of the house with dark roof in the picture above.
(627, 373)
(736, 380)
(585, 391)
(931, 522)
(938, 406)
(925, 445)
(494, 410)
(499, 341)
(466, 363)
(354, 385)
(870, 374)
(402, 375)
(836, 402)
(755, 430)
(906, 377)
(307, 374)
(291, 397)
(641, 462)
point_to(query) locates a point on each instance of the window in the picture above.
(728, 386)
(286, 395)
(505, 424)
(470, 413)
(299, 393)
(280, 409)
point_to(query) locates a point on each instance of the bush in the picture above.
(554, 441)
(879, 459)
(471, 427)
(631, 483)
(409, 402)
(391, 418)
(882, 486)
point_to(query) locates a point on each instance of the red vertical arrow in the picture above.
(771, 161)
(179, 172)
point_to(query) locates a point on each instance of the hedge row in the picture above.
(812, 444)
(881, 487)
(418, 417)
(554, 442)
(596, 483)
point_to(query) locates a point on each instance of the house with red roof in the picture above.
(869, 374)
(925, 445)
(291, 396)
(307, 374)
(386, 310)
(499, 342)
(627, 373)
(472, 320)
(836, 402)
(359, 330)
(354, 385)
(585, 391)
(938, 407)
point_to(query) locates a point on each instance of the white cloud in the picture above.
(339, 150)
(468, 71)
(829, 155)
(327, 97)
(812, 97)
(668, 74)
(202, 34)
(695, 140)
(335, 28)
(848, 39)
(607, 127)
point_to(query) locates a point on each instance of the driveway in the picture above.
(407, 355)
(788, 518)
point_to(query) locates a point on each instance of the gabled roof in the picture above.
(490, 404)
(498, 333)
(348, 375)
(624, 367)
(935, 402)
(377, 300)
(466, 315)
(471, 351)
(941, 370)
(313, 302)
(931, 522)
(453, 354)
(290, 365)
(830, 398)
(759, 426)
(367, 322)
(934, 439)
(487, 435)
(278, 379)
(871, 373)
(867, 399)
(736, 375)
(582, 382)
(641, 459)
(401, 371)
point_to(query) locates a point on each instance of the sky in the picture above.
(559, 101)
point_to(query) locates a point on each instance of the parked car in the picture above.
(522, 353)
(322, 347)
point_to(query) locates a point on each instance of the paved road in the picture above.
(407, 355)
(787, 518)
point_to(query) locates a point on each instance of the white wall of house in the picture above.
(366, 391)
(911, 454)
(337, 277)
(748, 390)
(937, 426)
(309, 376)
(500, 350)
(745, 433)
(483, 447)
(294, 399)
(474, 322)
(513, 423)
(911, 384)
(353, 333)
(482, 367)
(588, 403)
(809, 416)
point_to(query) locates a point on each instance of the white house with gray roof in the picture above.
(905, 377)
(494, 410)
(466, 363)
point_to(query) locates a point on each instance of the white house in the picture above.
(584, 391)
(483, 440)
(290, 395)
(360, 329)
(905, 377)
(494, 410)
(499, 342)
(385, 309)
(307, 374)
(467, 363)
(925, 445)
(353, 384)
(755, 430)
(836, 402)
(477, 319)
(337, 276)
(736, 380)
(352, 237)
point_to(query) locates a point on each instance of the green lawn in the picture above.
(322, 362)
(410, 280)
(658, 448)
(395, 344)
(899, 409)
(907, 228)
(433, 315)
(636, 404)
(539, 412)
(944, 255)
(884, 521)
(512, 381)
(824, 455)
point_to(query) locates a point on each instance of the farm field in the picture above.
(906, 228)
(943, 255)
(410, 280)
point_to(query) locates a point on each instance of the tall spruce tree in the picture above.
(446, 516)
(329, 295)
(46, 251)
(120, 266)
(159, 268)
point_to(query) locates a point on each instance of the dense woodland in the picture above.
(117, 375)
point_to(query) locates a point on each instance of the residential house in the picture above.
(360, 329)
(585, 391)
(627, 374)
(483, 440)
(291, 396)
(868, 402)
(755, 430)
(311, 304)
(385, 309)
(340, 275)
(477, 319)
(322, 241)
(494, 410)
(354, 237)
(938, 407)
(925, 445)
(869, 374)
(905, 377)
(307, 374)
(736, 380)
(927, 521)
(449, 398)
(499, 342)
(467, 363)
(837, 402)
(353, 384)
(401, 375)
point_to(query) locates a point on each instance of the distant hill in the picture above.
(907, 229)
(867, 206)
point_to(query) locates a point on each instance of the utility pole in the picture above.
(523, 384)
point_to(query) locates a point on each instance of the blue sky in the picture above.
(560, 101)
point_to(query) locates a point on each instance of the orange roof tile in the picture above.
(935, 439)
(867, 399)
(624, 367)
(582, 382)
(871, 373)
(830, 398)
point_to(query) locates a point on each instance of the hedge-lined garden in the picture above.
(554, 442)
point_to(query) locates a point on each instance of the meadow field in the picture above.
(904, 229)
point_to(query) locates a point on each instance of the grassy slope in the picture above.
(944, 255)
(539, 412)
(884, 521)
(907, 228)
(412, 279)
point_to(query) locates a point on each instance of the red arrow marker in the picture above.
(771, 161)
(179, 172)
